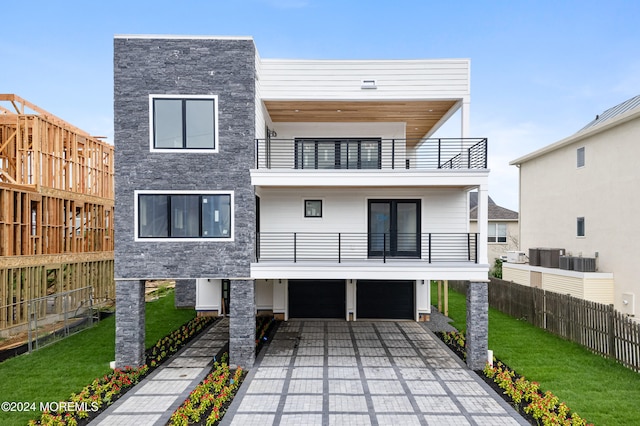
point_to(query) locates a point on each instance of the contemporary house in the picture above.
(502, 229)
(304, 188)
(578, 212)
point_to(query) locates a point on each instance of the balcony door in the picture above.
(394, 228)
(330, 153)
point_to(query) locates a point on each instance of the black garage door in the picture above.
(385, 299)
(316, 299)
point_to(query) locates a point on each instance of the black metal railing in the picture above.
(371, 153)
(349, 246)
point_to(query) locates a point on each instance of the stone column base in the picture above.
(477, 325)
(130, 324)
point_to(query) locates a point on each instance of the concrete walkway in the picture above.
(157, 396)
(363, 373)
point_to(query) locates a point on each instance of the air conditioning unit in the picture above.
(534, 256)
(584, 264)
(550, 257)
(567, 262)
(516, 257)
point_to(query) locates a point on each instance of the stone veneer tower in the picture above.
(213, 67)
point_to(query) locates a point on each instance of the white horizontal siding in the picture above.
(346, 211)
(411, 79)
(599, 290)
(563, 285)
(518, 276)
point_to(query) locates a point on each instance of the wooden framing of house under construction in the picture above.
(56, 209)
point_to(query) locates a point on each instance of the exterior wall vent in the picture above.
(368, 84)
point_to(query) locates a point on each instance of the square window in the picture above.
(188, 215)
(312, 208)
(181, 122)
(497, 232)
(580, 226)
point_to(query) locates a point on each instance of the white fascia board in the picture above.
(557, 271)
(378, 178)
(367, 270)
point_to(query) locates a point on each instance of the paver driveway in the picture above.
(363, 373)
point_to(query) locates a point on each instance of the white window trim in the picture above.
(176, 240)
(178, 150)
(497, 222)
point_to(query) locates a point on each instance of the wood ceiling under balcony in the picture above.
(419, 116)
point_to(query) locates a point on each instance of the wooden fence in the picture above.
(595, 326)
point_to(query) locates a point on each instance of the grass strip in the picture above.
(51, 374)
(599, 389)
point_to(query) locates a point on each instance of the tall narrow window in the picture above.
(580, 226)
(580, 156)
(183, 122)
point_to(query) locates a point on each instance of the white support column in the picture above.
(423, 302)
(209, 296)
(483, 218)
(351, 300)
(280, 304)
(464, 118)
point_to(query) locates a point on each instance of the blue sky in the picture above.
(540, 70)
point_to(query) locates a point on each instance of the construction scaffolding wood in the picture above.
(56, 201)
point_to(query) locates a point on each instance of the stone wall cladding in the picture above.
(185, 294)
(223, 67)
(130, 323)
(477, 324)
(242, 323)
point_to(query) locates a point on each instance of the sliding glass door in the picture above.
(394, 228)
(346, 153)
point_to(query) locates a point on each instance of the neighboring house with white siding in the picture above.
(317, 190)
(578, 195)
(502, 229)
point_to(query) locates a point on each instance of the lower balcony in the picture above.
(350, 247)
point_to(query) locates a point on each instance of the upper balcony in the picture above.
(371, 154)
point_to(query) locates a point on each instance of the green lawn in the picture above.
(600, 390)
(54, 372)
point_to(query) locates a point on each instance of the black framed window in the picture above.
(394, 228)
(312, 208)
(184, 216)
(330, 153)
(580, 227)
(184, 123)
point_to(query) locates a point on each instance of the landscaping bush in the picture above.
(104, 391)
(208, 402)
